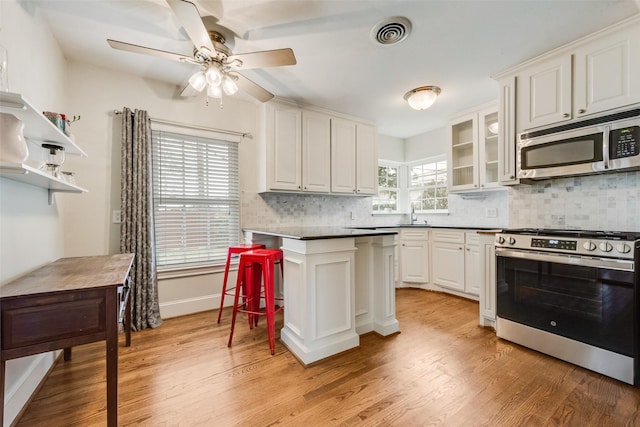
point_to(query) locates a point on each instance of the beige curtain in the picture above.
(136, 233)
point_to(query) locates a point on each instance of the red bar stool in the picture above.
(254, 264)
(233, 250)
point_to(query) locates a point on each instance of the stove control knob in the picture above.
(606, 247)
(500, 239)
(589, 245)
(512, 241)
(623, 248)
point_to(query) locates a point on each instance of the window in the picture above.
(196, 198)
(428, 186)
(387, 200)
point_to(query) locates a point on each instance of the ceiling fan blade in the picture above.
(253, 89)
(267, 58)
(191, 21)
(149, 51)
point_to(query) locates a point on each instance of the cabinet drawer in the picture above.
(472, 238)
(450, 236)
(411, 234)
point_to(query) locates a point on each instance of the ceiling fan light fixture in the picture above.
(422, 97)
(213, 75)
(214, 91)
(198, 81)
(229, 85)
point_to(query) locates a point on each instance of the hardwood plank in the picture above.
(442, 369)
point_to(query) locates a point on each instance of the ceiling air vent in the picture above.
(391, 30)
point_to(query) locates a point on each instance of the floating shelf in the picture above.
(36, 126)
(29, 175)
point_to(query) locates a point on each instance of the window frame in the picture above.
(444, 185)
(398, 189)
(217, 251)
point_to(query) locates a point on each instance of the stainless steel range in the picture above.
(573, 295)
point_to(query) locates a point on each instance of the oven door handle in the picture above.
(610, 264)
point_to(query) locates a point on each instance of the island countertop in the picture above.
(315, 233)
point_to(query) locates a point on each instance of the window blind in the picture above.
(196, 198)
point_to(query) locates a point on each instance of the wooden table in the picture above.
(69, 302)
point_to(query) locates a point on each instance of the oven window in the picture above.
(587, 304)
(584, 149)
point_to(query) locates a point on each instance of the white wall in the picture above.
(31, 230)
(425, 145)
(391, 148)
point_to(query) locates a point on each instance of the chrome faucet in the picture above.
(414, 217)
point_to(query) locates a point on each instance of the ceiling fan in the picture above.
(219, 66)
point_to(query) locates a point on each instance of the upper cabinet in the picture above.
(589, 76)
(315, 151)
(546, 93)
(473, 150)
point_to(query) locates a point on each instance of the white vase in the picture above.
(13, 147)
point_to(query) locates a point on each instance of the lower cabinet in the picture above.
(488, 280)
(414, 256)
(441, 259)
(448, 264)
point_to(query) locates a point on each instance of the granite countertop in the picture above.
(315, 233)
(453, 227)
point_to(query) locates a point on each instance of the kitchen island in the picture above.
(338, 284)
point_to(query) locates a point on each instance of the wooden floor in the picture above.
(441, 370)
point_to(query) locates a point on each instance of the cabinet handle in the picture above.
(566, 115)
(511, 177)
(460, 248)
(582, 111)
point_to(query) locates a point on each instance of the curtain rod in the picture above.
(167, 122)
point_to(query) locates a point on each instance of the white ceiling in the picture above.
(457, 45)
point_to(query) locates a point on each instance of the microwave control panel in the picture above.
(624, 142)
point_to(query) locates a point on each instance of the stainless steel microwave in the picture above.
(603, 144)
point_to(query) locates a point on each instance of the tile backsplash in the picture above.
(595, 202)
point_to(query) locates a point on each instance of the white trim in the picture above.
(186, 306)
(18, 394)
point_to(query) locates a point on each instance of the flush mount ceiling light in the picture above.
(422, 97)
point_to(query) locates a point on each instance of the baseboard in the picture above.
(186, 306)
(19, 392)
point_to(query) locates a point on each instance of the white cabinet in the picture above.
(589, 76)
(284, 147)
(354, 158)
(366, 159)
(447, 259)
(472, 270)
(312, 150)
(343, 156)
(546, 92)
(414, 255)
(473, 150)
(488, 280)
(507, 133)
(316, 152)
(38, 129)
(455, 261)
(606, 72)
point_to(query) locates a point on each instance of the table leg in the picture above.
(112, 356)
(127, 318)
(67, 354)
(2, 364)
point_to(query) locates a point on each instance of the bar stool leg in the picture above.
(239, 281)
(269, 303)
(224, 283)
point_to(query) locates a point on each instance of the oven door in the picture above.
(590, 300)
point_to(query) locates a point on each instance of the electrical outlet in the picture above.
(491, 212)
(116, 217)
